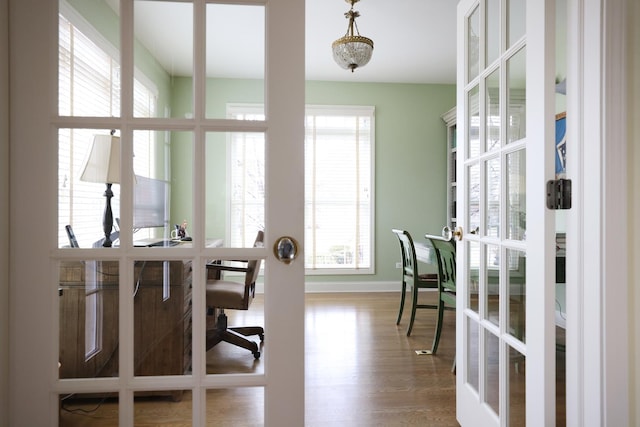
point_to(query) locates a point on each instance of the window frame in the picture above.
(234, 110)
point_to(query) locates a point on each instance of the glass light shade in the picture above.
(351, 52)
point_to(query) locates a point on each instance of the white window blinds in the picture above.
(339, 162)
(89, 85)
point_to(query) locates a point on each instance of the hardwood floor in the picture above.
(361, 370)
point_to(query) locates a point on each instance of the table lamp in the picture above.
(103, 165)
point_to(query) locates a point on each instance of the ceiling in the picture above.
(414, 40)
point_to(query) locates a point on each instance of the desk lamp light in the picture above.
(103, 166)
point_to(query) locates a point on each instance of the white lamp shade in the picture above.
(103, 162)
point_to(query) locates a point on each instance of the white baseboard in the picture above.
(320, 287)
(316, 287)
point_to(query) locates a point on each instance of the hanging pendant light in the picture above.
(352, 50)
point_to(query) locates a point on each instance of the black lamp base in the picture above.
(107, 221)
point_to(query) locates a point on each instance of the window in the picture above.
(89, 85)
(339, 148)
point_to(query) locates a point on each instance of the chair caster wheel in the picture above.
(256, 355)
(261, 337)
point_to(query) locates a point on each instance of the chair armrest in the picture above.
(434, 237)
(214, 270)
(222, 267)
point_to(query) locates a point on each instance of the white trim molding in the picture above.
(346, 287)
(597, 260)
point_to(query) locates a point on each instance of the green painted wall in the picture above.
(410, 161)
(410, 155)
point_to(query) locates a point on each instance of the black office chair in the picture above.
(73, 242)
(224, 294)
(412, 278)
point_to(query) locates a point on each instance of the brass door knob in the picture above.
(448, 234)
(457, 233)
(286, 249)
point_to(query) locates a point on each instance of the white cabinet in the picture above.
(452, 155)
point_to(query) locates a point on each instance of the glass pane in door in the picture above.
(516, 22)
(162, 188)
(89, 409)
(516, 105)
(492, 105)
(85, 160)
(492, 17)
(474, 276)
(473, 125)
(235, 188)
(492, 287)
(235, 407)
(473, 44)
(160, 408)
(88, 293)
(163, 83)
(233, 323)
(162, 305)
(473, 210)
(493, 197)
(473, 353)
(516, 202)
(492, 360)
(88, 59)
(517, 387)
(234, 61)
(517, 297)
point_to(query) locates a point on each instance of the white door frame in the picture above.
(597, 262)
(27, 315)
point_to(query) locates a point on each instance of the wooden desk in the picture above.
(89, 321)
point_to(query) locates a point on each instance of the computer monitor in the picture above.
(150, 203)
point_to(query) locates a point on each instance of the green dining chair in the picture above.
(411, 277)
(445, 255)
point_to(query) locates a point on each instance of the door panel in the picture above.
(133, 319)
(502, 355)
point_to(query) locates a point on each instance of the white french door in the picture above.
(505, 309)
(191, 131)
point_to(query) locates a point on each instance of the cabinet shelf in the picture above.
(449, 119)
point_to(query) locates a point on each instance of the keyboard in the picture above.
(150, 243)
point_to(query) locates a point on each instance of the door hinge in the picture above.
(559, 194)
